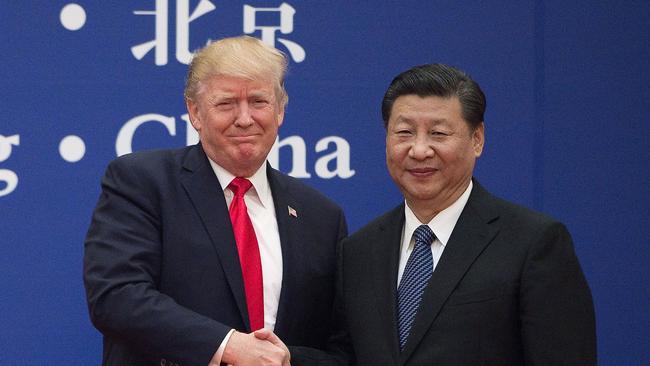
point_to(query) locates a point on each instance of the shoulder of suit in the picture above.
(151, 157)
(149, 164)
(393, 217)
(156, 158)
(510, 211)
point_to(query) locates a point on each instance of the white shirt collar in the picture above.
(443, 223)
(258, 179)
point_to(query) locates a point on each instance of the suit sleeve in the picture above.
(122, 264)
(340, 344)
(339, 350)
(556, 308)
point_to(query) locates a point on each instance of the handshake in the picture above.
(261, 347)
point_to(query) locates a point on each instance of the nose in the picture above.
(244, 118)
(421, 148)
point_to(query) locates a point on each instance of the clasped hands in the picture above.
(260, 348)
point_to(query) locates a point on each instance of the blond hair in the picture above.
(244, 57)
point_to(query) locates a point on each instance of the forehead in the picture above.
(412, 107)
(232, 85)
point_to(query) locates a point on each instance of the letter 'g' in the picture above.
(7, 176)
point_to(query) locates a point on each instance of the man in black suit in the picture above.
(456, 276)
(170, 278)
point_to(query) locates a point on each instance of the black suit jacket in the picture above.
(508, 290)
(161, 268)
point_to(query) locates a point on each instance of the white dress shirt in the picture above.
(442, 226)
(259, 202)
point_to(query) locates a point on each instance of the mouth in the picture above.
(243, 138)
(422, 172)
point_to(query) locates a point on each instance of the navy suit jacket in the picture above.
(161, 268)
(508, 290)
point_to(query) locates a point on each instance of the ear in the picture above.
(478, 139)
(193, 111)
(280, 115)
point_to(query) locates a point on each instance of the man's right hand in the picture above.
(245, 349)
(267, 335)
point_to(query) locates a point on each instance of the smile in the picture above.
(244, 137)
(421, 172)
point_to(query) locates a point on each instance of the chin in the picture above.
(247, 153)
(423, 194)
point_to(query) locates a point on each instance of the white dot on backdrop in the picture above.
(72, 148)
(73, 17)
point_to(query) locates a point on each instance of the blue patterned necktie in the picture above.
(417, 273)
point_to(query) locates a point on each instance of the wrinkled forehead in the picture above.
(231, 85)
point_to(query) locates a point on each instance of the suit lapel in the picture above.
(282, 200)
(470, 237)
(205, 192)
(384, 251)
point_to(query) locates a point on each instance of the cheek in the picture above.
(266, 116)
(393, 156)
(449, 154)
(218, 123)
(396, 151)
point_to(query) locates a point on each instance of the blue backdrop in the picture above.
(567, 130)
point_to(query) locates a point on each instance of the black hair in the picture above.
(441, 81)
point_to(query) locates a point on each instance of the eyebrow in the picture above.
(261, 93)
(404, 119)
(231, 95)
(220, 96)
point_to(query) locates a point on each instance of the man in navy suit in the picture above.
(454, 275)
(165, 282)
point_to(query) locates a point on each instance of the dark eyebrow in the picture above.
(436, 121)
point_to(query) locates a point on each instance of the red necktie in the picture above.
(249, 253)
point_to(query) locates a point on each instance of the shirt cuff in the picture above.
(216, 359)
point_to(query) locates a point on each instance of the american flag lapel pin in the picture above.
(292, 211)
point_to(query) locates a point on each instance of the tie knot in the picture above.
(423, 234)
(240, 186)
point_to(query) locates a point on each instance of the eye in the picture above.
(224, 105)
(439, 133)
(403, 132)
(260, 102)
